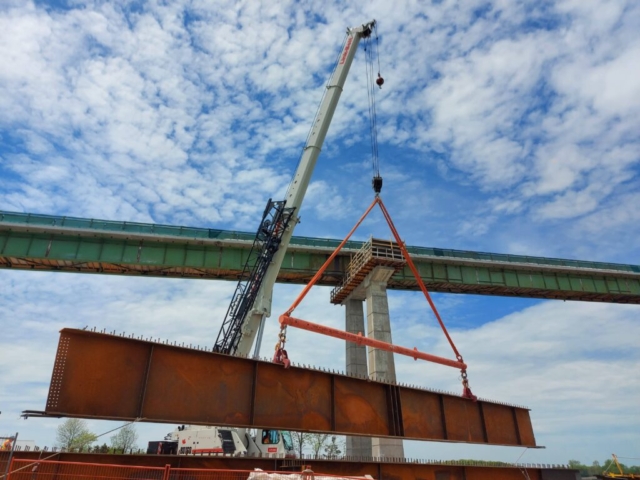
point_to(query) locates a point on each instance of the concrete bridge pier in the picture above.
(356, 356)
(381, 363)
(366, 280)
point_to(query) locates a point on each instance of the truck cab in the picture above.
(267, 443)
(205, 440)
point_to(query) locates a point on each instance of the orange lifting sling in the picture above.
(286, 318)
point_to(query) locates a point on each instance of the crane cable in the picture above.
(371, 97)
(377, 179)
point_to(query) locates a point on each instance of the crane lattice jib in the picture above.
(275, 220)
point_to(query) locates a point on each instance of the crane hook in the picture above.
(466, 389)
(379, 80)
(376, 183)
(281, 356)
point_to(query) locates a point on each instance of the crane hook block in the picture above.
(379, 81)
(377, 184)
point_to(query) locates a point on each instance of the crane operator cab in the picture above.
(275, 441)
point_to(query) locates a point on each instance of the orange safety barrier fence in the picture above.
(22, 469)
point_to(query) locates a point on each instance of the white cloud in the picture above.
(503, 126)
(567, 361)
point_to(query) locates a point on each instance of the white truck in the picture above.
(203, 440)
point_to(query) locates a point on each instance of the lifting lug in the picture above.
(281, 356)
(466, 389)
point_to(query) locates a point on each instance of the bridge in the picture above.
(66, 244)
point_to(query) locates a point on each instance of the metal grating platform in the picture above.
(373, 253)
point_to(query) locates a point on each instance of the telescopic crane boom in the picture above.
(251, 303)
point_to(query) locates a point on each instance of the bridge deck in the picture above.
(51, 243)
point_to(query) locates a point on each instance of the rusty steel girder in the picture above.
(104, 376)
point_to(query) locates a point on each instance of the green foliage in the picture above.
(300, 440)
(125, 439)
(596, 469)
(483, 463)
(73, 434)
(317, 441)
(332, 449)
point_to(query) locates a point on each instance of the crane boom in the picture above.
(248, 327)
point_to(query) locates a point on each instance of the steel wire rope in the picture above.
(373, 126)
(371, 101)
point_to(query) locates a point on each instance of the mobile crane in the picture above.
(251, 302)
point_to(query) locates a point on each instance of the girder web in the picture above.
(275, 220)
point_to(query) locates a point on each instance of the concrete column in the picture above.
(356, 364)
(381, 363)
(356, 354)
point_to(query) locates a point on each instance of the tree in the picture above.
(125, 439)
(594, 469)
(73, 434)
(317, 441)
(299, 440)
(332, 450)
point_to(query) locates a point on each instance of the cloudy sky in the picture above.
(504, 126)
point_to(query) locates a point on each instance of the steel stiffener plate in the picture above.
(105, 376)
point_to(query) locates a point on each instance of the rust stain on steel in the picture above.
(360, 407)
(111, 377)
(300, 401)
(184, 389)
(422, 414)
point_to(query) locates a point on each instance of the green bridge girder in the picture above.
(66, 244)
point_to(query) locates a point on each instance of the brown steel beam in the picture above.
(105, 376)
(385, 470)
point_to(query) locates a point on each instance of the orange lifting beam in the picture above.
(370, 342)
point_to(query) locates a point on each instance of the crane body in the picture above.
(242, 324)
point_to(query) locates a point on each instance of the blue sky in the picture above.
(508, 127)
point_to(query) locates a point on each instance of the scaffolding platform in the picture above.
(373, 253)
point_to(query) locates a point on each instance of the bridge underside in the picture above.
(45, 243)
(106, 256)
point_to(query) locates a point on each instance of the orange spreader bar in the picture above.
(370, 342)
